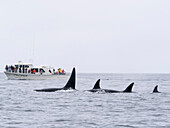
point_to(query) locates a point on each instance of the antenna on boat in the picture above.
(19, 62)
(32, 51)
(31, 61)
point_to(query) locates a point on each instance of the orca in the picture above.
(69, 86)
(155, 90)
(97, 88)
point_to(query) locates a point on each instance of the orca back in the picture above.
(48, 90)
(129, 88)
(72, 81)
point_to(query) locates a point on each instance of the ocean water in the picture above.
(21, 107)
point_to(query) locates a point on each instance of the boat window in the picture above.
(49, 71)
(36, 69)
(16, 66)
(26, 66)
(42, 70)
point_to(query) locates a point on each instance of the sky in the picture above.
(95, 36)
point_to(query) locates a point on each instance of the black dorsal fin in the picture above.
(129, 88)
(72, 81)
(155, 90)
(97, 85)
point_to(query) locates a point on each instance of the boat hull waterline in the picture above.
(26, 76)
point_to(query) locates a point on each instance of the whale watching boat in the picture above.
(26, 71)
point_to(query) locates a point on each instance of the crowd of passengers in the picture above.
(12, 68)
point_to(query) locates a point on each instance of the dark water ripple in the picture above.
(21, 107)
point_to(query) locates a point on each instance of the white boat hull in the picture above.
(28, 76)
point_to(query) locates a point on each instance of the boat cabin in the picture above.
(21, 67)
(29, 68)
(42, 70)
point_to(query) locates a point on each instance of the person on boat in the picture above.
(19, 69)
(63, 71)
(15, 69)
(34, 71)
(9, 68)
(59, 71)
(12, 68)
(6, 67)
(41, 71)
(26, 70)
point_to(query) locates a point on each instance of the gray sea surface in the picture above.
(22, 107)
